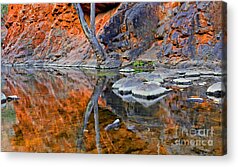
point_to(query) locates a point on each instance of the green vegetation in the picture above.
(138, 63)
(9, 114)
(4, 10)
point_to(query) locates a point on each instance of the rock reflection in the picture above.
(54, 114)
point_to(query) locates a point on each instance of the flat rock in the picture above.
(182, 81)
(195, 100)
(181, 72)
(218, 73)
(127, 69)
(217, 90)
(202, 83)
(193, 78)
(119, 83)
(128, 85)
(126, 98)
(207, 72)
(13, 97)
(150, 76)
(192, 74)
(149, 91)
(141, 74)
(169, 74)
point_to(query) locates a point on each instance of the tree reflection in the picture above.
(92, 106)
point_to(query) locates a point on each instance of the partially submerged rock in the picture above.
(195, 100)
(207, 72)
(126, 98)
(127, 69)
(149, 91)
(128, 85)
(181, 72)
(150, 77)
(119, 83)
(113, 125)
(4, 99)
(216, 90)
(202, 83)
(141, 74)
(182, 81)
(193, 78)
(192, 74)
(169, 75)
(13, 97)
(218, 73)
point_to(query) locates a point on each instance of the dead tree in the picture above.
(90, 32)
(92, 106)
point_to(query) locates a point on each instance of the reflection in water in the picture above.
(55, 106)
(93, 105)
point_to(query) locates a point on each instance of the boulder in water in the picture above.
(182, 81)
(119, 83)
(127, 69)
(195, 100)
(150, 77)
(128, 85)
(216, 90)
(113, 125)
(149, 91)
(181, 72)
(192, 74)
(12, 97)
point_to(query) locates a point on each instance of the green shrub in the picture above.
(4, 10)
(138, 63)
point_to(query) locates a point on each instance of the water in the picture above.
(51, 115)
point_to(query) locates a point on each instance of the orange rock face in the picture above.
(36, 30)
(52, 34)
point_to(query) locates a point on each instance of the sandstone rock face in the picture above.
(169, 33)
(48, 33)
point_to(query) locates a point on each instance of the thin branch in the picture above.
(92, 18)
(80, 13)
(97, 129)
(90, 34)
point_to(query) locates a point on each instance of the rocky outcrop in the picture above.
(216, 90)
(48, 33)
(189, 31)
(168, 33)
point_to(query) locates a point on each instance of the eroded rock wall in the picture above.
(168, 33)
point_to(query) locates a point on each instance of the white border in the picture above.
(73, 160)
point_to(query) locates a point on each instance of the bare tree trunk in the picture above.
(92, 19)
(92, 106)
(90, 33)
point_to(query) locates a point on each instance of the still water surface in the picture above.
(51, 115)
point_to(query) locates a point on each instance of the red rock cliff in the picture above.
(172, 33)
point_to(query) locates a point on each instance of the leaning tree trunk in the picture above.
(90, 32)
